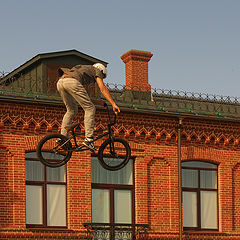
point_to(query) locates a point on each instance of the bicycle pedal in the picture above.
(89, 145)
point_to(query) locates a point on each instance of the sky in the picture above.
(195, 43)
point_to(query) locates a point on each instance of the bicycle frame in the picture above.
(79, 148)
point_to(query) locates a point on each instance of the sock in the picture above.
(89, 139)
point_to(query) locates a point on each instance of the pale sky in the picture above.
(195, 43)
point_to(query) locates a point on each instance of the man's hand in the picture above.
(116, 109)
(104, 90)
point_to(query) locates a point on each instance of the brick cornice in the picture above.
(163, 130)
(135, 127)
(137, 55)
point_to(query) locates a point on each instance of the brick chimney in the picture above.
(136, 67)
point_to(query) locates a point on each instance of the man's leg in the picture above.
(76, 89)
(70, 104)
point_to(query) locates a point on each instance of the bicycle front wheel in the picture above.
(114, 154)
(54, 150)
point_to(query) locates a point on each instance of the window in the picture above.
(112, 194)
(200, 199)
(45, 193)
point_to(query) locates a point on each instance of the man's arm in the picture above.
(104, 90)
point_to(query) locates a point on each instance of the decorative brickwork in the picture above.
(153, 141)
(146, 128)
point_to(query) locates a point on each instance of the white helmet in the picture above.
(102, 68)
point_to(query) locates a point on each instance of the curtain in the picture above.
(34, 171)
(101, 175)
(209, 209)
(189, 209)
(56, 205)
(56, 174)
(189, 178)
(123, 206)
(34, 204)
(208, 179)
(100, 206)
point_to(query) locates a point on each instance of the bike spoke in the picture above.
(114, 154)
(54, 150)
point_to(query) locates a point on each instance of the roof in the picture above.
(157, 101)
(43, 56)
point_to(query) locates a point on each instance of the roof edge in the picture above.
(41, 56)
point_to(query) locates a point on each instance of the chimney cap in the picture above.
(136, 55)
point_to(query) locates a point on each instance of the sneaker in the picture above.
(89, 143)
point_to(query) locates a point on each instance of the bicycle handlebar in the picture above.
(103, 103)
(109, 116)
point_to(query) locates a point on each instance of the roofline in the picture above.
(128, 108)
(51, 55)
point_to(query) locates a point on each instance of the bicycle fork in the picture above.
(111, 145)
(112, 150)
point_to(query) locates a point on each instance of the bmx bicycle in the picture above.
(113, 154)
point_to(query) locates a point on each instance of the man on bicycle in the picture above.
(71, 86)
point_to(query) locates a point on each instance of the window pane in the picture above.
(56, 174)
(31, 155)
(101, 175)
(56, 205)
(199, 164)
(189, 209)
(34, 204)
(189, 178)
(208, 179)
(100, 206)
(122, 206)
(50, 155)
(209, 209)
(34, 171)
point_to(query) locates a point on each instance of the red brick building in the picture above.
(173, 136)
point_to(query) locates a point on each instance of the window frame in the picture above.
(198, 190)
(112, 188)
(44, 184)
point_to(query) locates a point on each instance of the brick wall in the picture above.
(153, 142)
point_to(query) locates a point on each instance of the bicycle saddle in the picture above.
(71, 127)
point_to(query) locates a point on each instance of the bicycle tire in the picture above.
(117, 160)
(48, 144)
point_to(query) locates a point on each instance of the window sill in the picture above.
(41, 228)
(200, 231)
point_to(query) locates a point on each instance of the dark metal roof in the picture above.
(155, 101)
(42, 56)
(160, 103)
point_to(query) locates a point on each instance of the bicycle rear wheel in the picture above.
(114, 154)
(59, 148)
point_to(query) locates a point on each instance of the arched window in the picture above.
(200, 195)
(45, 193)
